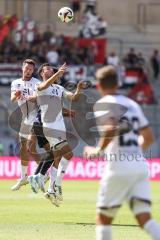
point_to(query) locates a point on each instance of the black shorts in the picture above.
(38, 131)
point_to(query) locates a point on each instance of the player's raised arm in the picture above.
(51, 80)
(75, 96)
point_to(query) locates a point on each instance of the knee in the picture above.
(31, 148)
(102, 219)
(23, 147)
(143, 218)
(49, 155)
(56, 162)
(70, 155)
(141, 210)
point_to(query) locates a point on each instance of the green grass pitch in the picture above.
(25, 215)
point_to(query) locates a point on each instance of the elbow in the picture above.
(74, 99)
(40, 88)
(148, 142)
(12, 99)
(110, 132)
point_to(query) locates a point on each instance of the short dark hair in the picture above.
(46, 65)
(107, 77)
(29, 61)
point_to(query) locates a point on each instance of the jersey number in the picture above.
(130, 139)
(55, 92)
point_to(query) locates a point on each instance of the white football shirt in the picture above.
(28, 88)
(51, 104)
(124, 152)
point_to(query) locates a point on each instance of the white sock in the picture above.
(53, 175)
(103, 232)
(61, 171)
(24, 171)
(153, 229)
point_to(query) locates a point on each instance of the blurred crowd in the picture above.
(46, 47)
(137, 74)
(20, 40)
(133, 59)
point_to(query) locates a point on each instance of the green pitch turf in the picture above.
(26, 216)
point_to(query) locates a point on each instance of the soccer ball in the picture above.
(66, 14)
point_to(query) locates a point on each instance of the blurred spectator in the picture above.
(141, 60)
(11, 149)
(92, 52)
(91, 6)
(155, 63)
(48, 34)
(102, 26)
(113, 59)
(142, 92)
(52, 55)
(131, 58)
(76, 7)
(1, 149)
(92, 26)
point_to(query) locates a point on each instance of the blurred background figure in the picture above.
(52, 56)
(48, 34)
(141, 59)
(113, 59)
(155, 64)
(131, 57)
(11, 149)
(1, 149)
(91, 6)
(76, 7)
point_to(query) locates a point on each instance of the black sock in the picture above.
(46, 162)
(46, 165)
(39, 167)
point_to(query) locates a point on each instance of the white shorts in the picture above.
(25, 129)
(54, 136)
(116, 189)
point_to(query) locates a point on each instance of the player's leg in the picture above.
(146, 222)
(32, 147)
(38, 181)
(39, 178)
(53, 175)
(24, 156)
(103, 227)
(65, 154)
(24, 164)
(113, 192)
(41, 140)
(110, 198)
(50, 194)
(140, 204)
(45, 144)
